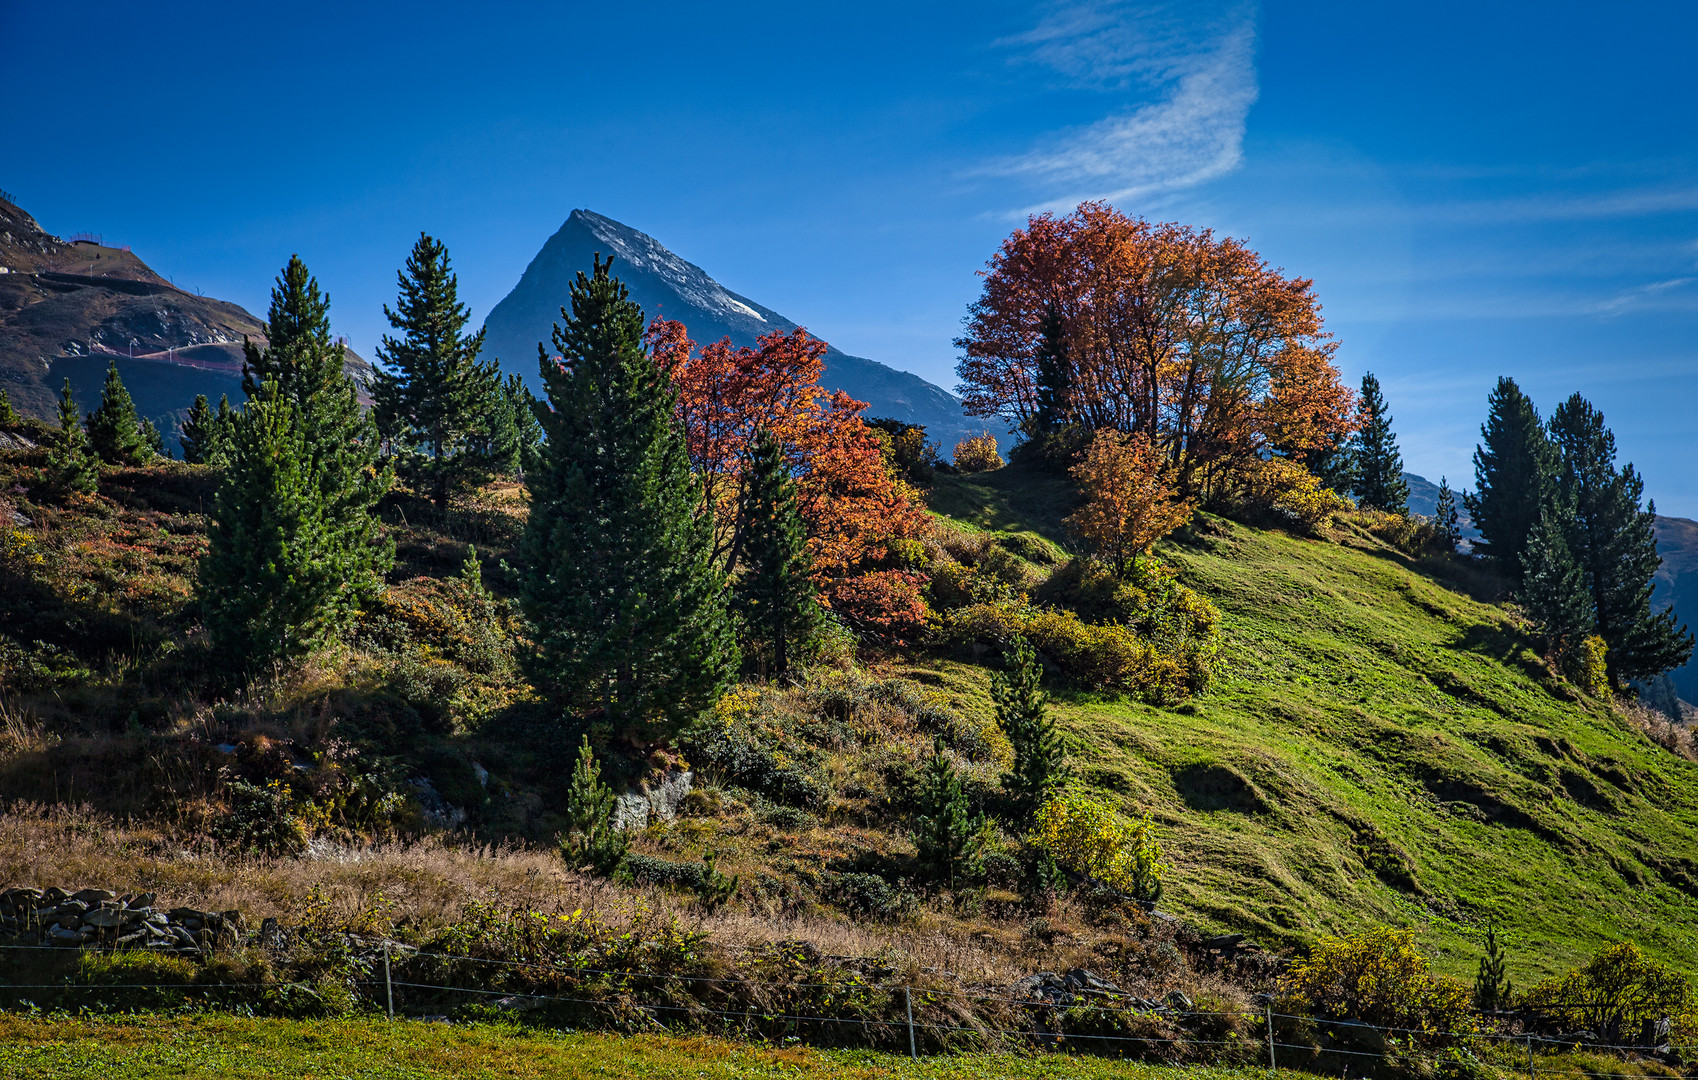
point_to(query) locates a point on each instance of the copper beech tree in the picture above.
(1165, 331)
(851, 504)
(1129, 501)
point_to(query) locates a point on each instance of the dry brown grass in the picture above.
(424, 885)
(1675, 737)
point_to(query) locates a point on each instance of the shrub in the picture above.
(259, 820)
(1408, 534)
(884, 604)
(1088, 838)
(1377, 977)
(1282, 490)
(1130, 500)
(703, 878)
(872, 895)
(1616, 991)
(746, 742)
(977, 454)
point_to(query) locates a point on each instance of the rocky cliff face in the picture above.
(68, 308)
(668, 286)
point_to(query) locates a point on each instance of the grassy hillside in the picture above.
(1381, 744)
(1378, 745)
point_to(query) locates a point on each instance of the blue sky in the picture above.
(1477, 189)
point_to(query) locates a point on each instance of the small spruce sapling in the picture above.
(8, 415)
(1040, 751)
(591, 840)
(716, 888)
(947, 833)
(71, 464)
(1492, 988)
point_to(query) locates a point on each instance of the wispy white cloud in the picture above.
(1669, 293)
(1198, 66)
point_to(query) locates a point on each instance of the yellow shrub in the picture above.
(989, 623)
(977, 454)
(1615, 992)
(1287, 490)
(1591, 670)
(1088, 838)
(1378, 977)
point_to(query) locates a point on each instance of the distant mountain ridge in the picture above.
(667, 286)
(69, 308)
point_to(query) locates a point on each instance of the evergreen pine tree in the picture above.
(774, 597)
(1615, 546)
(198, 432)
(1445, 517)
(1054, 374)
(626, 603)
(113, 429)
(438, 406)
(1514, 467)
(222, 431)
(946, 831)
(514, 437)
(71, 464)
(1553, 591)
(1379, 483)
(269, 582)
(8, 415)
(1040, 753)
(341, 444)
(590, 839)
(1492, 988)
(154, 440)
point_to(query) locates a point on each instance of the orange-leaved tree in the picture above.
(851, 503)
(1130, 502)
(1166, 331)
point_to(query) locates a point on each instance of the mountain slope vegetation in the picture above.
(1381, 743)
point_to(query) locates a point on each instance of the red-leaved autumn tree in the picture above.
(852, 504)
(1190, 340)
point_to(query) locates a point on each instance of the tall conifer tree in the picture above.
(113, 428)
(295, 544)
(1614, 545)
(1553, 589)
(439, 407)
(774, 597)
(71, 464)
(627, 605)
(1445, 518)
(527, 433)
(1514, 466)
(198, 432)
(1379, 483)
(269, 583)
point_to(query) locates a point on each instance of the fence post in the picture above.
(908, 1003)
(388, 987)
(1272, 1066)
(1530, 1075)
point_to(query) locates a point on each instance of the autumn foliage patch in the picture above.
(1106, 321)
(852, 504)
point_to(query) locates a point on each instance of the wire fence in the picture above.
(1424, 1046)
